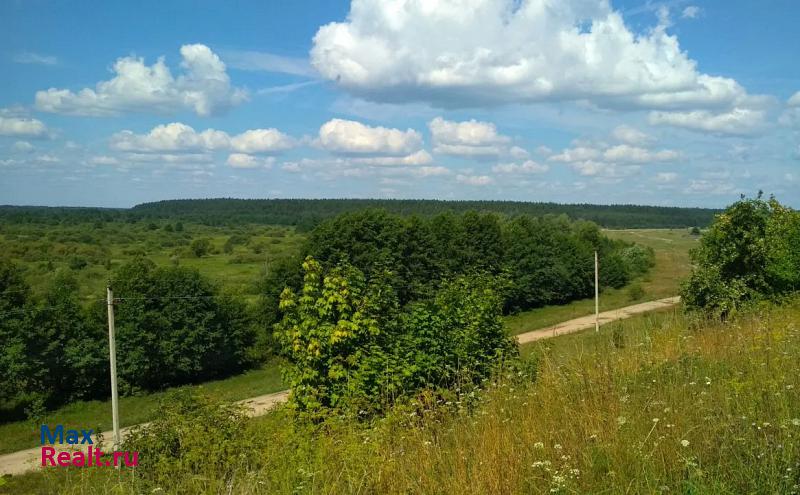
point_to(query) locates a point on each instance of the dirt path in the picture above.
(29, 459)
(584, 322)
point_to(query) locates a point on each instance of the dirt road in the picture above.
(578, 324)
(28, 460)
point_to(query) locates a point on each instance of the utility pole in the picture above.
(596, 294)
(112, 355)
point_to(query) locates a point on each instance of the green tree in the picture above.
(15, 367)
(751, 251)
(174, 327)
(349, 346)
(200, 247)
(327, 333)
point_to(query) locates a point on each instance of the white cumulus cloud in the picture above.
(630, 135)
(691, 12)
(738, 121)
(453, 53)
(178, 137)
(12, 124)
(351, 137)
(243, 160)
(203, 88)
(468, 138)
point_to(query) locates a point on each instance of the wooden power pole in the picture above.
(596, 294)
(112, 355)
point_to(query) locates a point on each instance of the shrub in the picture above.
(751, 251)
(350, 349)
(200, 247)
(195, 438)
(635, 292)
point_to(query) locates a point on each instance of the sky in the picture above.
(683, 103)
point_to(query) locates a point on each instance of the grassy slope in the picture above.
(652, 404)
(672, 265)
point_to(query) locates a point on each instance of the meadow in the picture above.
(660, 403)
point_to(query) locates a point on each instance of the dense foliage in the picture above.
(51, 353)
(751, 251)
(350, 347)
(306, 213)
(547, 260)
(173, 327)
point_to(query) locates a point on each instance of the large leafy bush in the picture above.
(350, 348)
(751, 251)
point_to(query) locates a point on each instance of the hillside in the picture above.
(653, 404)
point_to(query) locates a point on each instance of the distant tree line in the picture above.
(307, 213)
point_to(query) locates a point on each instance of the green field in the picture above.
(93, 251)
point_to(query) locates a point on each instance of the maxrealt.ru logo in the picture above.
(92, 456)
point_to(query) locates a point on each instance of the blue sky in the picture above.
(675, 103)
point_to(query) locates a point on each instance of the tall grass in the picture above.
(654, 404)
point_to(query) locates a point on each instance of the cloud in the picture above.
(268, 62)
(791, 115)
(178, 137)
(665, 177)
(518, 153)
(203, 88)
(35, 59)
(474, 180)
(577, 154)
(527, 167)
(709, 187)
(103, 160)
(613, 161)
(629, 135)
(23, 147)
(261, 141)
(603, 169)
(12, 124)
(421, 157)
(624, 153)
(736, 122)
(691, 12)
(242, 160)
(453, 54)
(351, 137)
(469, 138)
(286, 88)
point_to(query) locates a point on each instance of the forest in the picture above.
(307, 213)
